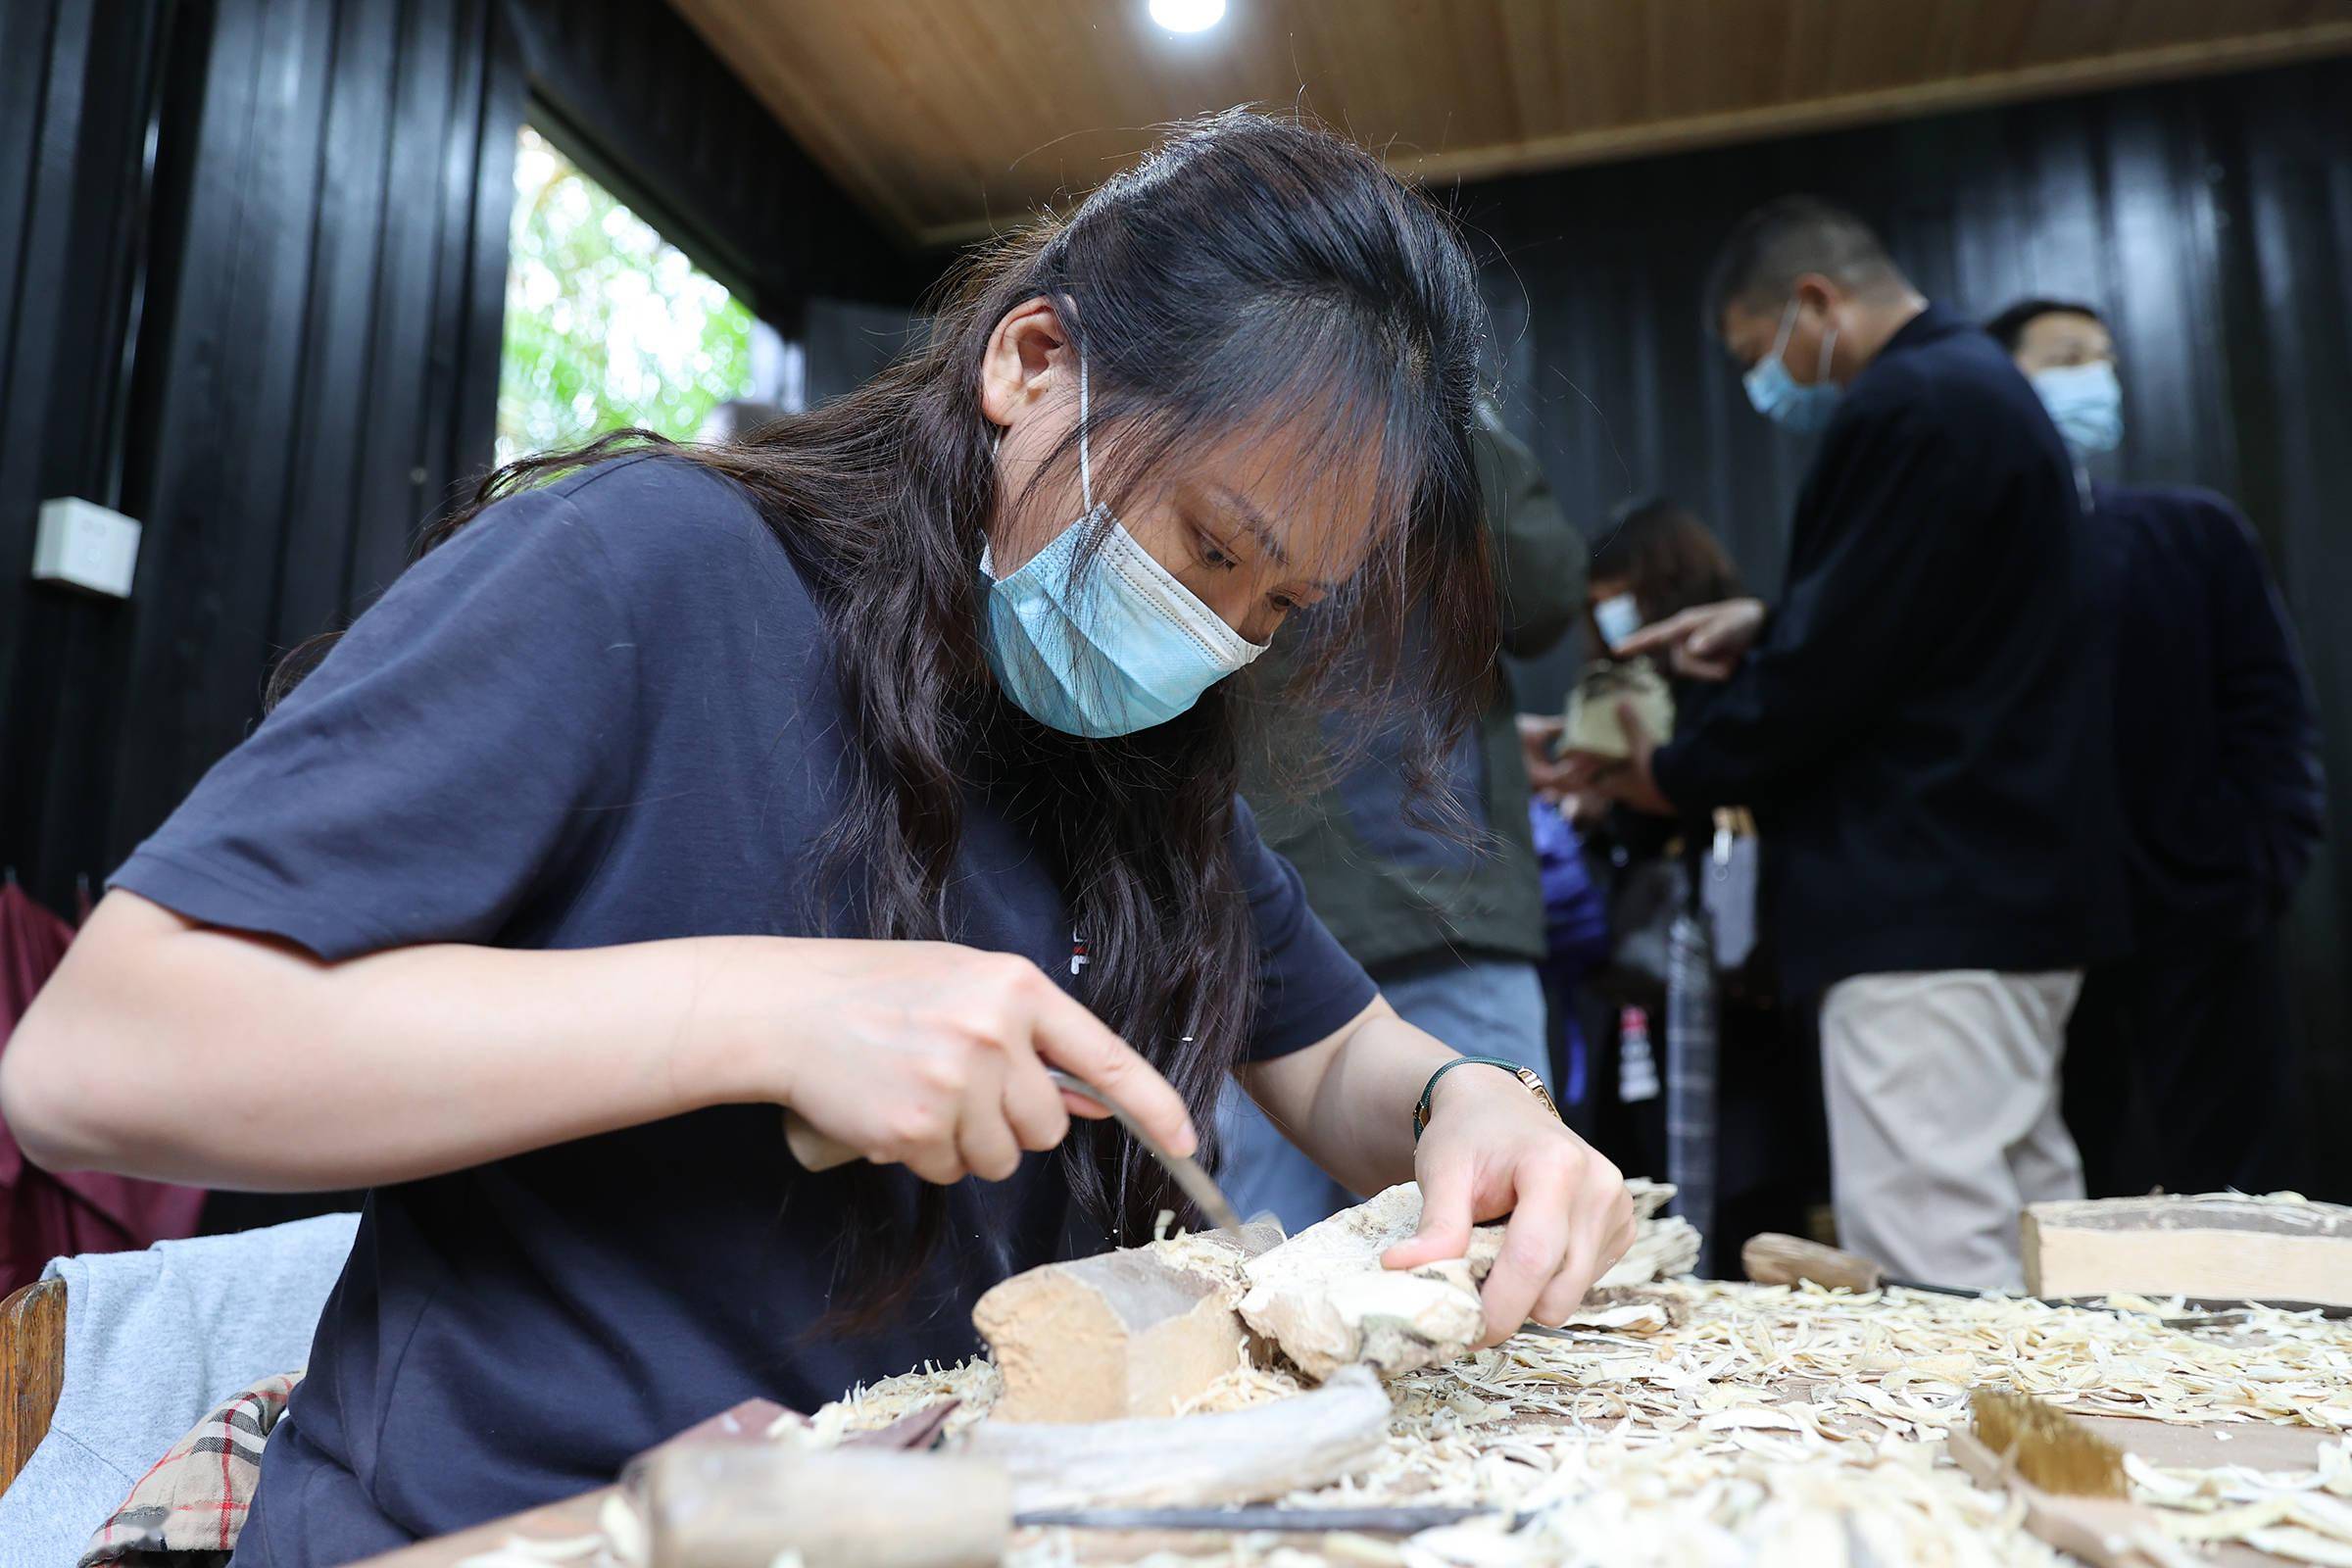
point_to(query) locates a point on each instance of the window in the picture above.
(607, 323)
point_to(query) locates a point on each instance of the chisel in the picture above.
(738, 1505)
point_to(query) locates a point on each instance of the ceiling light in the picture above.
(1187, 16)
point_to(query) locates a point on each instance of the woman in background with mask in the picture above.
(868, 768)
(1655, 559)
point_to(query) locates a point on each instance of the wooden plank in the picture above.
(929, 117)
(2218, 1248)
(1907, 100)
(2212, 1444)
(32, 1370)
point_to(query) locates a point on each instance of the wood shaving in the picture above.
(1723, 1424)
(873, 1406)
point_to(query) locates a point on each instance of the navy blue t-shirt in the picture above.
(602, 713)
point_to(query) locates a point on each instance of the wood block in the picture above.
(1125, 1334)
(2219, 1246)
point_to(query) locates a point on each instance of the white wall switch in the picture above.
(85, 544)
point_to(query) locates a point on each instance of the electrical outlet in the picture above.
(87, 545)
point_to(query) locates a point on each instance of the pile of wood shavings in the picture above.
(1735, 1424)
(2294, 1514)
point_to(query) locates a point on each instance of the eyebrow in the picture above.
(1255, 521)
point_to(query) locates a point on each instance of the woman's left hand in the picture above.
(1489, 1150)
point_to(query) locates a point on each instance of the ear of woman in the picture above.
(1028, 391)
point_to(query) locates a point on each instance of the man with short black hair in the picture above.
(2181, 1054)
(1923, 733)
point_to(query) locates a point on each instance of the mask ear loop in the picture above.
(1780, 339)
(1086, 469)
(1828, 345)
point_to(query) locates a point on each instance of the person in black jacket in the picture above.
(1923, 734)
(2181, 1055)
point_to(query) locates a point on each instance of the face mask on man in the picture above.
(2086, 404)
(1779, 397)
(1617, 618)
(1111, 648)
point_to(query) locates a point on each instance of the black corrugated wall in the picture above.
(313, 302)
(2211, 220)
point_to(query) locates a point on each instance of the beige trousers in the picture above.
(1943, 1092)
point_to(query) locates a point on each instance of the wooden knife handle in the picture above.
(814, 1151)
(1770, 1258)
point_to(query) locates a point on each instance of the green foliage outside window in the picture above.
(608, 324)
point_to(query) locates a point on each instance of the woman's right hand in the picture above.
(925, 1055)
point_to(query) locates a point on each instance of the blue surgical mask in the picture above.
(1618, 617)
(1785, 401)
(2086, 404)
(1109, 648)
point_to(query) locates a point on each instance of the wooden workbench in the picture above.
(1755, 1338)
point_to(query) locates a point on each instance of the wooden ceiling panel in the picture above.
(949, 117)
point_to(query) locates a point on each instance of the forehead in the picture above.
(2063, 332)
(1315, 499)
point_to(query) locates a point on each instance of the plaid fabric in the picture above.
(187, 1509)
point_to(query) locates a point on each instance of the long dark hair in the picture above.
(1251, 273)
(1669, 559)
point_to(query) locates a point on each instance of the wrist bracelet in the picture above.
(1526, 1075)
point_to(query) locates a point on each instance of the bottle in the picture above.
(1636, 1067)
(1691, 1066)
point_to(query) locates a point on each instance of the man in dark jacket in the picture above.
(2181, 1054)
(1449, 920)
(1924, 736)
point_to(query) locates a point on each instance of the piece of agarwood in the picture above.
(2219, 1246)
(1252, 1455)
(1324, 1298)
(1325, 1301)
(1130, 1333)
